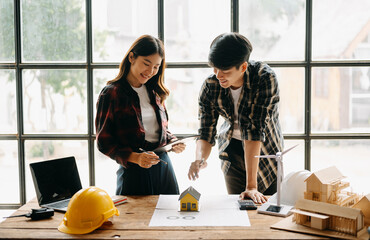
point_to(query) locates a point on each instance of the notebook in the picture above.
(56, 181)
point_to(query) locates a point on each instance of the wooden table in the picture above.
(133, 223)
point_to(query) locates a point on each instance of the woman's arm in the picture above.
(106, 139)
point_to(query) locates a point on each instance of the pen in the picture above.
(147, 151)
(202, 161)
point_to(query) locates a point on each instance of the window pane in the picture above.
(340, 99)
(105, 172)
(9, 174)
(182, 104)
(53, 30)
(41, 150)
(343, 32)
(185, 83)
(276, 29)
(190, 27)
(7, 49)
(351, 157)
(54, 101)
(211, 179)
(117, 23)
(8, 106)
(294, 160)
(101, 76)
(292, 90)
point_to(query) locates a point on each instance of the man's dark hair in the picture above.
(229, 50)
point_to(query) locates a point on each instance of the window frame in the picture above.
(89, 66)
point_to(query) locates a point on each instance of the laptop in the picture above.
(56, 181)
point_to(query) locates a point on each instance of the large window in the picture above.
(55, 57)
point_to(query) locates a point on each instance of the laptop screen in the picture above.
(56, 179)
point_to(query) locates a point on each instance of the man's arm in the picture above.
(252, 149)
(203, 149)
(208, 118)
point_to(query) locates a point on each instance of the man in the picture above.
(246, 94)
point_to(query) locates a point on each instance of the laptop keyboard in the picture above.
(60, 204)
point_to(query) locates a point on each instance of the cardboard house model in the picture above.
(327, 186)
(329, 217)
(189, 200)
(364, 206)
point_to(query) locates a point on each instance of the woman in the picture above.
(131, 121)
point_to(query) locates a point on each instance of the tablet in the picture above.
(168, 147)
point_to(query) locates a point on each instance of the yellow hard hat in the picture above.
(87, 210)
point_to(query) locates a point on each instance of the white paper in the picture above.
(215, 210)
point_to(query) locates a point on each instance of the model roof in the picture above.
(328, 175)
(327, 208)
(192, 192)
(364, 204)
(367, 197)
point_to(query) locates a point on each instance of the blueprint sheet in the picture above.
(215, 210)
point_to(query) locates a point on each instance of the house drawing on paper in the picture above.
(189, 200)
(331, 217)
(364, 206)
(327, 186)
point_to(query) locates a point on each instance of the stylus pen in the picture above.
(202, 162)
(147, 151)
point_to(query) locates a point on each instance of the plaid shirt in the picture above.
(119, 126)
(258, 117)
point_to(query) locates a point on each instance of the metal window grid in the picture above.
(18, 66)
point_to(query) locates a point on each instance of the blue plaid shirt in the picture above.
(258, 117)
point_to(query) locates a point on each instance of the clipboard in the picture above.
(168, 147)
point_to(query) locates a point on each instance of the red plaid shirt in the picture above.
(119, 127)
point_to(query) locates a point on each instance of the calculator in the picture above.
(246, 204)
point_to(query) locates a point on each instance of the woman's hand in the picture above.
(194, 169)
(253, 194)
(178, 148)
(147, 159)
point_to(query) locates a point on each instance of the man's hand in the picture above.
(195, 166)
(253, 194)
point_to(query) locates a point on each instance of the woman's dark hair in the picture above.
(144, 46)
(229, 50)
